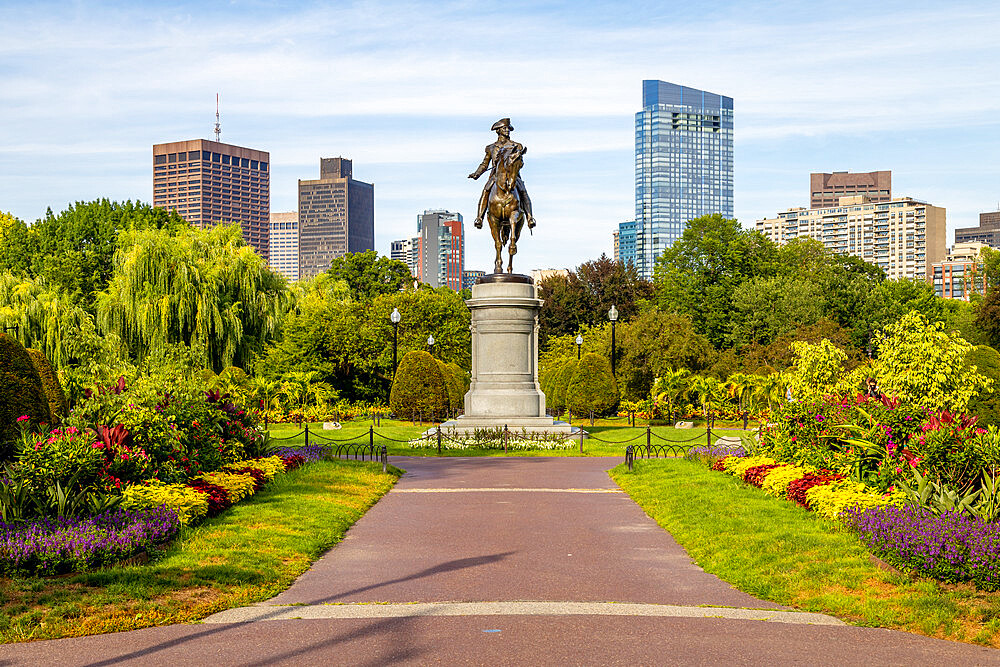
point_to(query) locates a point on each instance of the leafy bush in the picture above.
(756, 475)
(238, 486)
(419, 390)
(560, 385)
(56, 397)
(188, 504)
(458, 385)
(21, 393)
(798, 489)
(830, 500)
(779, 478)
(269, 466)
(63, 455)
(54, 546)
(736, 466)
(217, 497)
(592, 388)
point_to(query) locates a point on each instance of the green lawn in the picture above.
(773, 549)
(389, 433)
(251, 552)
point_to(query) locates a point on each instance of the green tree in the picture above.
(670, 389)
(652, 345)
(699, 273)
(368, 275)
(592, 389)
(75, 249)
(419, 390)
(706, 388)
(818, 367)
(921, 362)
(766, 308)
(986, 404)
(16, 245)
(199, 286)
(21, 392)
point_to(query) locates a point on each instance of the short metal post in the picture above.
(439, 440)
(385, 458)
(371, 440)
(708, 430)
(581, 441)
(648, 433)
(505, 439)
(307, 434)
(628, 457)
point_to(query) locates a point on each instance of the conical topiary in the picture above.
(458, 385)
(419, 390)
(561, 384)
(58, 407)
(592, 389)
(21, 393)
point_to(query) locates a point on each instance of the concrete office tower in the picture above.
(285, 244)
(827, 189)
(336, 216)
(683, 165)
(904, 236)
(441, 249)
(208, 182)
(987, 232)
(407, 251)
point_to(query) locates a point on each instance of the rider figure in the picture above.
(493, 153)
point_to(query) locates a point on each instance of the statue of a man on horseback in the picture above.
(504, 201)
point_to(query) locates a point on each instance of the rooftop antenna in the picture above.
(218, 127)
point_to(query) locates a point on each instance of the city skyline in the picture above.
(90, 86)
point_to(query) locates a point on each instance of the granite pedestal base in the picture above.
(504, 389)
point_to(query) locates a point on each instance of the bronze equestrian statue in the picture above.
(504, 201)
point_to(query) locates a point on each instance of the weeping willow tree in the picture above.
(206, 289)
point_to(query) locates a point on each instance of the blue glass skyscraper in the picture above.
(683, 164)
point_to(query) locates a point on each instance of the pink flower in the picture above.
(23, 418)
(980, 431)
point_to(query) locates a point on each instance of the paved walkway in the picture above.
(506, 561)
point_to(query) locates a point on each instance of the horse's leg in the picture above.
(495, 230)
(516, 221)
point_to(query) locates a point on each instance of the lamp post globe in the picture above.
(430, 343)
(579, 342)
(395, 317)
(613, 316)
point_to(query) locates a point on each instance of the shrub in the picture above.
(830, 500)
(419, 390)
(736, 466)
(756, 475)
(21, 392)
(217, 497)
(561, 383)
(58, 407)
(238, 486)
(270, 466)
(62, 456)
(189, 505)
(592, 388)
(778, 480)
(451, 389)
(798, 489)
(459, 385)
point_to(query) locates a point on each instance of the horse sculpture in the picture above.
(505, 211)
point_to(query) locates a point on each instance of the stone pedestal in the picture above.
(504, 389)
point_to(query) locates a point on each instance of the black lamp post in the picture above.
(579, 342)
(430, 344)
(395, 317)
(613, 316)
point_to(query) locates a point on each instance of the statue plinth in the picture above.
(504, 389)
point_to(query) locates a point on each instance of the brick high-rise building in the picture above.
(987, 232)
(827, 189)
(336, 216)
(436, 256)
(208, 182)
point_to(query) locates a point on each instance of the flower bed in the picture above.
(951, 546)
(493, 439)
(54, 546)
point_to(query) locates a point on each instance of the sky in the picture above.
(409, 90)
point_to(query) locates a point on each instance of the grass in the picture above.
(250, 553)
(614, 431)
(775, 550)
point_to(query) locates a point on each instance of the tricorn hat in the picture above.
(503, 122)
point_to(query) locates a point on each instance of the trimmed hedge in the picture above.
(21, 392)
(58, 406)
(419, 390)
(592, 389)
(457, 386)
(561, 383)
